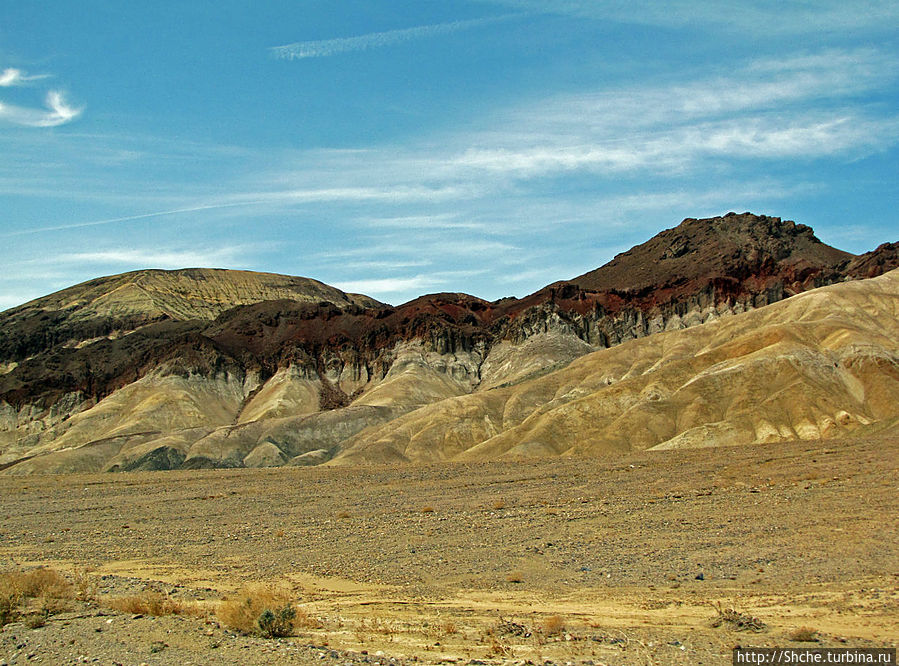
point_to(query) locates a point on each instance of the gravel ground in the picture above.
(437, 563)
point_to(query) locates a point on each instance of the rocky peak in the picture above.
(732, 245)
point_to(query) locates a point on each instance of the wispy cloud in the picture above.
(767, 17)
(802, 106)
(403, 288)
(57, 112)
(397, 193)
(16, 77)
(629, 155)
(329, 47)
(142, 258)
(431, 222)
(388, 286)
(811, 136)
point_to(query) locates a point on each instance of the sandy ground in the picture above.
(575, 560)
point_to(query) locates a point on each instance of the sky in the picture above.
(416, 146)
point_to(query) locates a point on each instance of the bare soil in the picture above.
(573, 560)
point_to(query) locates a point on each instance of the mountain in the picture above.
(119, 304)
(822, 364)
(213, 368)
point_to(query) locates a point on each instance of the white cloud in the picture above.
(803, 105)
(150, 258)
(329, 47)
(58, 112)
(387, 286)
(16, 77)
(768, 17)
(399, 192)
(800, 106)
(485, 197)
(11, 300)
(427, 222)
(385, 265)
(404, 288)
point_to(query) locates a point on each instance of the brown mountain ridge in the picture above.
(212, 368)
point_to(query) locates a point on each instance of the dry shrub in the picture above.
(803, 635)
(9, 607)
(343, 514)
(85, 586)
(49, 587)
(498, 504)
(264, 610)
(427, 509)
(449, 627)
(515, 577)
(377, 625)
(554, 624)
(497, 649)
(41, 583)
(151, 602)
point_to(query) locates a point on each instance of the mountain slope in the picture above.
(213, 368)
(822, 364)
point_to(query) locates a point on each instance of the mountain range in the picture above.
(729, 330)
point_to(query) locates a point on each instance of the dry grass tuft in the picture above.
(151, 602)
(803, 635)
(498, 504)
(263, 610)
(9, 608)
(427, 509)
(85, 586)
(343, 514)
(51, 590)
(497, 649)
(378, 626)
(515, 577)
(39, 582)
(554, 624)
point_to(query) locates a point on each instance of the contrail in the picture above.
(290, 196)
(129, 218)
(329, 47)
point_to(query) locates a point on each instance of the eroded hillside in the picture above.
(211, 368)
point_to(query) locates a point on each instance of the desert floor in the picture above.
(574, 560)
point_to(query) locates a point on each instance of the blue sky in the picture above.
(405, 147)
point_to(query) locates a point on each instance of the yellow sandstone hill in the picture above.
(821, 364)
(191, 293)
